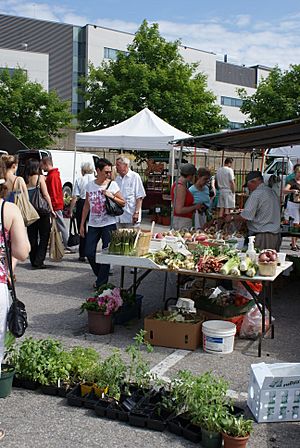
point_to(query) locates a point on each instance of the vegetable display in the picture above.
(122, 241)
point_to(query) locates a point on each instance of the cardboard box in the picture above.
(274, 392)
(184, 335)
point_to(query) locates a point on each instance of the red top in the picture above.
(55, 191)
(189, 200)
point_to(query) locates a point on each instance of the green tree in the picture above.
(277, 98)
(32, 114)
(151, 74)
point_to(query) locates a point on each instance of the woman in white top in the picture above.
(100, 223)
(78, 198)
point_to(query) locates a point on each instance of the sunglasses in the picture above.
(107, 172)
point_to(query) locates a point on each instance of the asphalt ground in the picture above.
(53, 297)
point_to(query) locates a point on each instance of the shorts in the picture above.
(292, 211)
(226, 199)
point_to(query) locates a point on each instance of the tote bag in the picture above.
(74, 237)
(38, 201)
(56, 249)
(28, 212)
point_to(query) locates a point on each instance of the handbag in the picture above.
(28, 212)
(74, 238)
(112, 208)
(38, 201)
(16, 316)
(56, 249)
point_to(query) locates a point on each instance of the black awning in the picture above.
(273, 135)
(9, 142)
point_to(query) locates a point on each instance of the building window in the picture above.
(233, 102)
(112, 53)
(235, 125)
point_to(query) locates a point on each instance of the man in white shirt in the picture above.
(226, 186)
(132, 190)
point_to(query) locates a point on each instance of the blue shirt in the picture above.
(200, 196)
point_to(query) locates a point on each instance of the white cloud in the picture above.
(242, 20)
(245, 39)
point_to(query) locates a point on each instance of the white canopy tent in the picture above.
(144, 131)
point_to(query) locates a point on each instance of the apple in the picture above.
(159, 236)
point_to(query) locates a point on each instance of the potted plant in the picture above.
(236, 431)
(166, 216)
(100, 309)
(7, 370)
(208, 406)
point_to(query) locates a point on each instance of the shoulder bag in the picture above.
(17, 316)
(74, 238)
(28, 212)
(112, 208)
(38, 200)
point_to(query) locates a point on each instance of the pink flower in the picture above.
(108, 302)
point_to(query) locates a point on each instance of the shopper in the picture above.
(100, 224)
(55, 190)
(262, 212)
(16, 235)
(292, 210)
(182, 198)
(39, 231)
(226, 186)
(132, 190)
(78, 198)
(200, 192)
(13, 183)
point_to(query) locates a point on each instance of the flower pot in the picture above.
(166, 220)
(49, 389)
(235, 442)
(211, 439)
(99, 323)
(6, 379)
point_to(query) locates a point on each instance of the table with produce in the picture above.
(213, 254)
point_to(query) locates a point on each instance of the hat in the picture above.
(252, 175)
(188, 169)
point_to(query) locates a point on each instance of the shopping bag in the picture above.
(74, 237)
(56, 249)
(38, 201)
(28, 212)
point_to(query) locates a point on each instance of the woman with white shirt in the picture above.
(100, 223)
(78, 198)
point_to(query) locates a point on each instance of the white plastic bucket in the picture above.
(218, 336)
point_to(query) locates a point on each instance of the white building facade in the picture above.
(56, 55)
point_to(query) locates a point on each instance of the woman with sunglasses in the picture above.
(100, 224)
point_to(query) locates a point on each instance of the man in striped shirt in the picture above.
(262, 212)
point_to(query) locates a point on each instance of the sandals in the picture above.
(294, 248)
(2, 434)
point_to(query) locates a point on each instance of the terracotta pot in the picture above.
(235, 442)
(166, 220)
(99, 323)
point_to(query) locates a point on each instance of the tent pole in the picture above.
(177, 177)
(74, 169)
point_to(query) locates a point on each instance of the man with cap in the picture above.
(182, 198)
(262, 212)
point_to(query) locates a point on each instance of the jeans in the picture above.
(79, 208)
(61, 226)
(38, 235)
(92, 238)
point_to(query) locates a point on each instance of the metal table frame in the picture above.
(261, 300)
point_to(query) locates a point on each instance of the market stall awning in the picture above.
(9, 142)
(271, 135)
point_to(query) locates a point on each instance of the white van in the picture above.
(68, 163)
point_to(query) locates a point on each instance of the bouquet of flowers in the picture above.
(107, 300)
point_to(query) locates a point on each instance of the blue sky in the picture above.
(249, 32)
